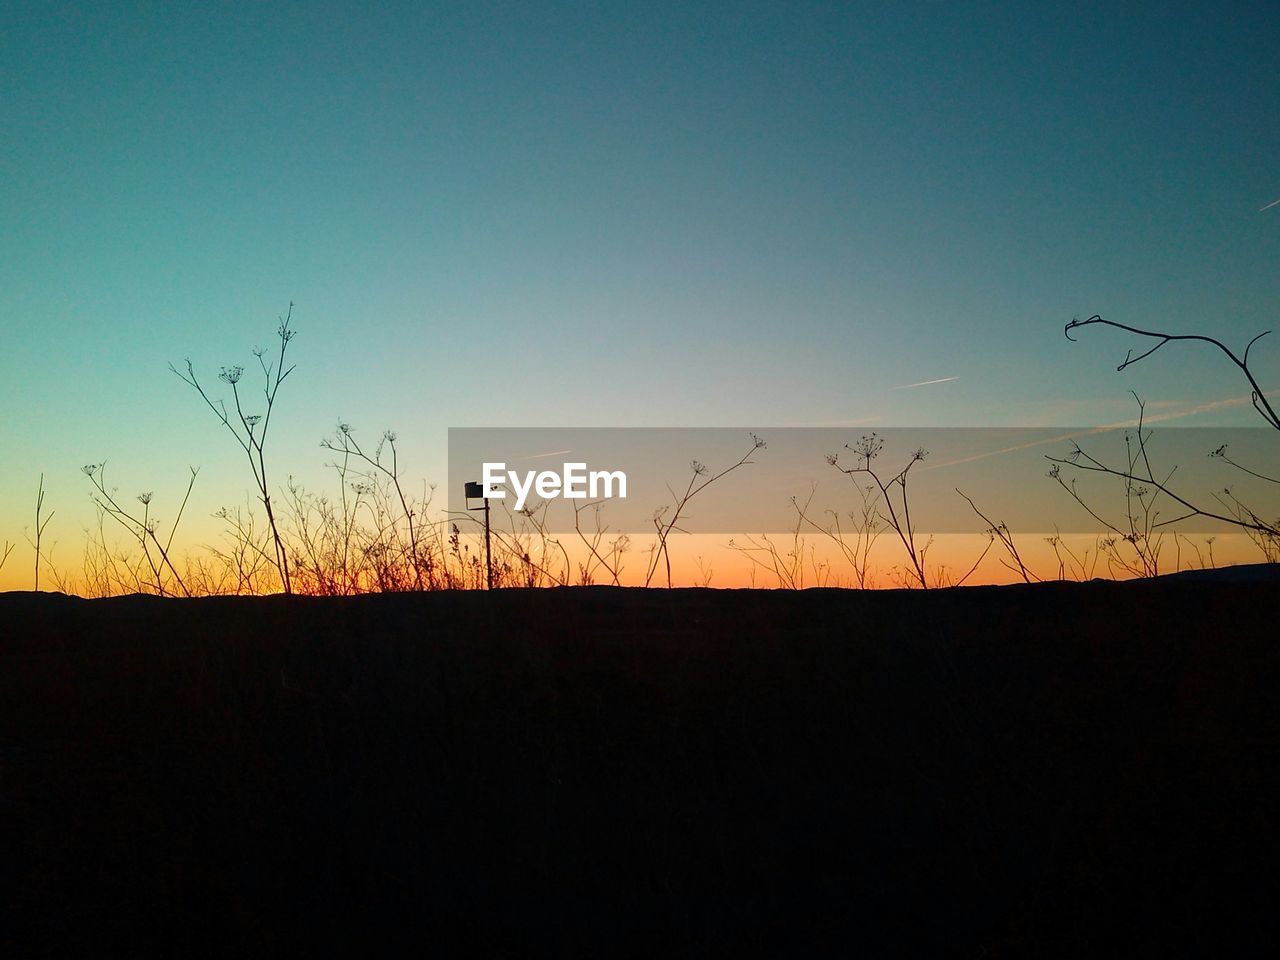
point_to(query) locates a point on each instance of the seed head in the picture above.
(868, 445)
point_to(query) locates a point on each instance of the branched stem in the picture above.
(1259, 398)
(867, 449)
(699, 480)
(244, 430)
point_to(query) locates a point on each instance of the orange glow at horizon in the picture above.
(755, 562)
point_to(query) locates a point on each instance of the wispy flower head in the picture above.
(868, 446)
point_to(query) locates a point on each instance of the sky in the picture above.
(614, 214)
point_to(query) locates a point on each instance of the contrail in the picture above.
(1122, 425)
(539, 456)
(1191, 411)
(925, 383)
(1269, 205)
(925, 468)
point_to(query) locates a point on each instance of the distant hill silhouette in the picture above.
(1241, 573)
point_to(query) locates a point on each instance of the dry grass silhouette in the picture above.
(376, 533)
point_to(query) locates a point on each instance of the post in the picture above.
(474, 490)
(488, 555)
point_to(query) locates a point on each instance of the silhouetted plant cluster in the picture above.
(1133, 542)
(374, 534)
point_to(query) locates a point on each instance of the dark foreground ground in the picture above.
(1072, 769)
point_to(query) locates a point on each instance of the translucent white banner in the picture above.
(937, 480)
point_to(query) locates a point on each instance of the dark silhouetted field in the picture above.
(1063, 769)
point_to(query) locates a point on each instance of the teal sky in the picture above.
(615, 214)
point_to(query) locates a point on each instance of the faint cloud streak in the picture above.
(1108, 428)
(835, 423)
(924, 383)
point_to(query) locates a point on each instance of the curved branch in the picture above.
(1260, 402)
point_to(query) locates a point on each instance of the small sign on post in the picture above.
(474, 490)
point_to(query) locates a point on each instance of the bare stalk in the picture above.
(700, 479)
(39, 531)
(143, 527)
(786, 568)
(245, 426)
(1002, 532)
(868, 448)
(344, 443)
(611, 559)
